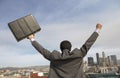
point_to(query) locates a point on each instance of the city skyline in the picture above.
(103, 60)
(74, 20)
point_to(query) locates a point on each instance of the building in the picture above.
(102, 61)
(113, 59)
(37, 75)
(90, 61)
(97, 57)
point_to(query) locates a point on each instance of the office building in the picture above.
(114, 60)
(90, 61)
(98, 58)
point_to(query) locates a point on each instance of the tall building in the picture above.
(114, 59)
(110, 61)
(103, 61)
(103, 54)
(98, 58)
(90, 61)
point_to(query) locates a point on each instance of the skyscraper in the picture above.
(98, 58)
(90, 61)
(104, 63)
(114, 59)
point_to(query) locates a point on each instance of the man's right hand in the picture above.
(99, 26)
(30, 37)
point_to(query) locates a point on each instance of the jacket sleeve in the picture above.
(86, 46)
(46, 53)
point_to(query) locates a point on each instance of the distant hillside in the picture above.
(37, 68)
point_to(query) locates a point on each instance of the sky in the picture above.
(73, 20)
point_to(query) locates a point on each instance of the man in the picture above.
(67, 64)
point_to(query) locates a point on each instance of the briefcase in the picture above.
(23, 27)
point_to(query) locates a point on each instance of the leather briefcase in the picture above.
(23, 27)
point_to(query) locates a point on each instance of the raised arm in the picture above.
(46, 53)
(85, 48)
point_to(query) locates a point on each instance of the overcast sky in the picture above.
(72, 20)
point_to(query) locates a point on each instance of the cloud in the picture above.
(22, 60)
(73, 20)
(15, 53)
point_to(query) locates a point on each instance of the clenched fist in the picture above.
(99, 26)
(31, 36)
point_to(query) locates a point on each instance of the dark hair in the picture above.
(65, 45)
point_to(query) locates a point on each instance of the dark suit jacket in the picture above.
(66, 65)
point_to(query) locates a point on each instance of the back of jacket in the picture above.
(68, 64)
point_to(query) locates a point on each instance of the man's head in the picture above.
(65, 45)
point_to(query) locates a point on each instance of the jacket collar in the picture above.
(65, 52)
